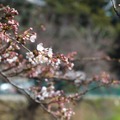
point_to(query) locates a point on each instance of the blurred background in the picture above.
(89, 27)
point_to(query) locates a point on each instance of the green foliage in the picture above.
(85, 12)
(100, 19)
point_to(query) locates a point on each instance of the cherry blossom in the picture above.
(40, 47)
(33, 37)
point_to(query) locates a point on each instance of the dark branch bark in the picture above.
(115, 8)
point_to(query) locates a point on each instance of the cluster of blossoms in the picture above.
(54, 98)
(67, 113)
(41, 55)
(103, 77)
(45, 55)
(40, 62)
(28, 35)
(8, 22)
(47, 92)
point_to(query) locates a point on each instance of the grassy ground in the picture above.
(98, 109)
(88, 109)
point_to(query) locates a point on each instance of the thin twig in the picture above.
(106, 58)
(94, 88)
(115, 8)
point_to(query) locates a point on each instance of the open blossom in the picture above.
(46, 51)
(67, 113)
(33, 37)
(43, 89)
(47, 92)
(43, 94)
(50, 53)
(11, 60)
(40, 47)
(58, 62)
(29, 55)
(41, 59)
(36, 59)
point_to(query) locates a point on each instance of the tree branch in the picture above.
(27, 94)
(115, 8)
